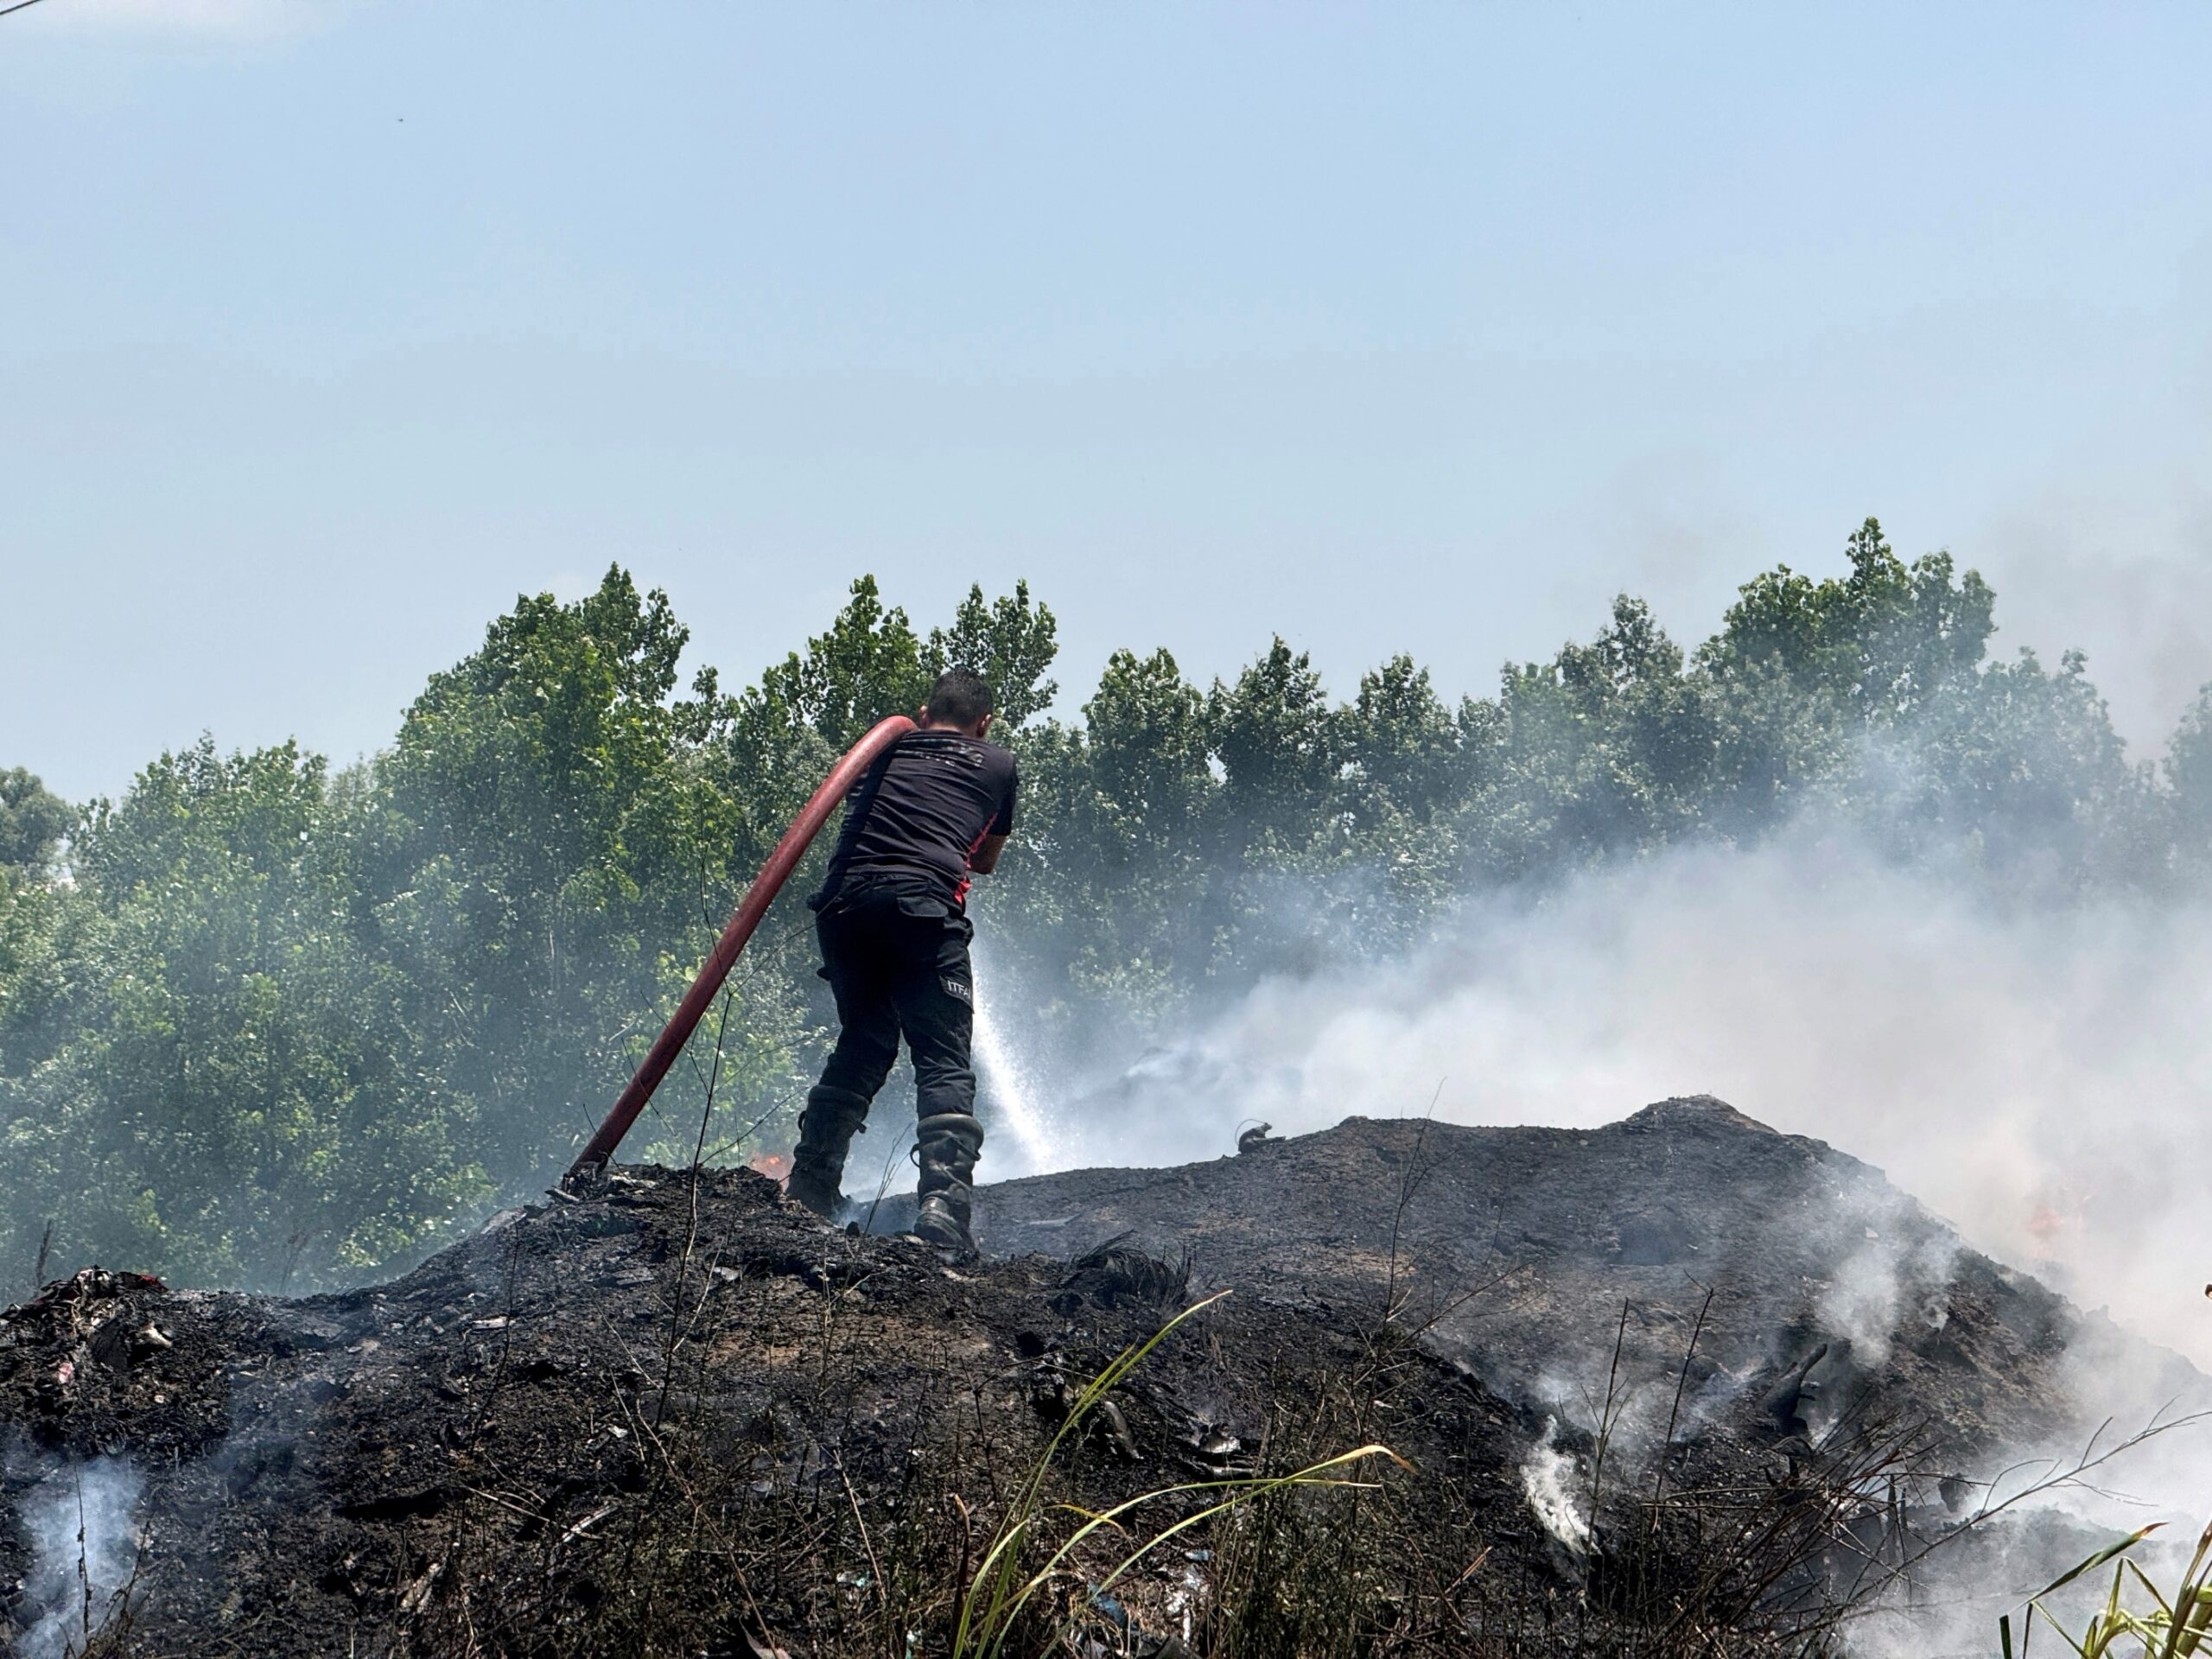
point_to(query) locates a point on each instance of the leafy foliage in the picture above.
(32, 820)
(261, 1021)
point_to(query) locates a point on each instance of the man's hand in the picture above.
(985, 858)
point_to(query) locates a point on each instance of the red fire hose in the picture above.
(758, 897)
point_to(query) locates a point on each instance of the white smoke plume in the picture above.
(1548, 1479)
(85, 1553)
(1885, 1281)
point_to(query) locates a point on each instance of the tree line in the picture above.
(266, 1021)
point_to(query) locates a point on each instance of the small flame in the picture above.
(775, 1165)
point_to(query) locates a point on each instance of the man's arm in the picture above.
(985, 858)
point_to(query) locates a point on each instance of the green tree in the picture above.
(2188, 774)
(1881, 640)
(240, 1093)
(1129, 805)
(2017, 770)
(1276, 736)
(1607, 749)
(1010, 642)
(1800, 667)
(1400, 745)
(867, 665)
(539, 781)
(32, 820)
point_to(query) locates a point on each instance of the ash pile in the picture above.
(680, 1416)
(1545, 1260)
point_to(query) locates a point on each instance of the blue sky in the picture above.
(325, 328)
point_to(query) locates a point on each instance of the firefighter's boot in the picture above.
(826, 1129)
(946, 1146)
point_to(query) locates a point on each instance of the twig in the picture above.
(1408, 1183)
(1605, 1419)
(589, 1521)
(883, 1185)
(691, 1219)
(874, 1567)
(2063, 1476)
(504, 1502)
(1674, 1411)
(745, 1133)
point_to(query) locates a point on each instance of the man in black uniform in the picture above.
(894, 935)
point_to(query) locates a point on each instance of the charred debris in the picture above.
(1677, 1385)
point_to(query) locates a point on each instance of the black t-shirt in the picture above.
(922, 811)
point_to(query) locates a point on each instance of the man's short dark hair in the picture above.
(960, 697)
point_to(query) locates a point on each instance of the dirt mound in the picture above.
(682, 1416)
(672, 1419)
(1554, 1262)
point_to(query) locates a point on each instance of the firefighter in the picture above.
(892, 919)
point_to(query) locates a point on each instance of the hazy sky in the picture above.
(325, 329)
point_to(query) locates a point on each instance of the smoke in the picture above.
(84, 1554)
(2033, 1071)
(1548, 1476)
(1886, 1280)
(2035, 1075)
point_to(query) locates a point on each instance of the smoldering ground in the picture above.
(2032, 1067)
(85, 1548)
(2034, 1074)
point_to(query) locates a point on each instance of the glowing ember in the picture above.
(775, 1165)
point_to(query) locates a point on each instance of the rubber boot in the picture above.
(826, 1129)
(946, 1146)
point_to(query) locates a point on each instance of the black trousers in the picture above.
(896, 958)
